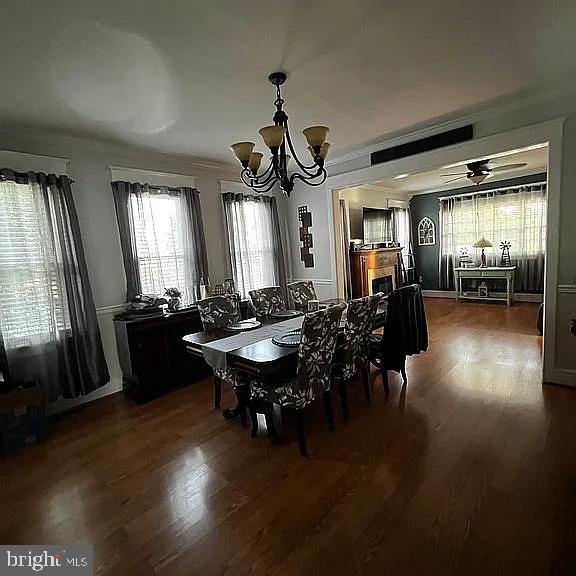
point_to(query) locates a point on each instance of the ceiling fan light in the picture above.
(478, 178)
(272, 135)
(255, 161)
(315, 135)
(243, 150)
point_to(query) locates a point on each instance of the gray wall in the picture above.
(426, 257)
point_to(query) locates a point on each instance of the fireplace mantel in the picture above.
(367, 267)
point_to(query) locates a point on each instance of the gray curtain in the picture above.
(125, 217)
(53, 336)
(195, 264)
(254, 239)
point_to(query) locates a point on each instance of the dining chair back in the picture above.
(218, 311)
(301, 293)
(267, 301)
(405, 332)
(360, 317)
(317, 348)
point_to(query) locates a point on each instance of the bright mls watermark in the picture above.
(49, 560)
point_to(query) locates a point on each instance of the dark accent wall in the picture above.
(426, 257)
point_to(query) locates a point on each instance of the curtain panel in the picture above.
(516, 215)
(48, 325)
(255, 252)
(162, 239)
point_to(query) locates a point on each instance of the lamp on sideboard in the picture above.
(483, 243)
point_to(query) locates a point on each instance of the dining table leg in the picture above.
(242, 391)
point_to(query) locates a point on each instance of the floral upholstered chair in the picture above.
(301, 293)
(313, 379)
(218, 312)
(267, 301)
(353, 355)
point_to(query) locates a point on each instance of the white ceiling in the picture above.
(536, 160)
(190, 77)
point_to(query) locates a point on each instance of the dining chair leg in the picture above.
(343, 388)
(404, 377)
(384, 373)
(328, 409)
(253, 420)
(366, 383)
(217, 392)
(301, 433)
(243, 416)
(270, 425)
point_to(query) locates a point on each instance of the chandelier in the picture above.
(277, 138)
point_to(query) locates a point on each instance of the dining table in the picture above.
(253, 354)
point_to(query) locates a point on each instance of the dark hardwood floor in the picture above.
(469, 470)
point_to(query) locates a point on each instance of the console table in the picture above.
(489, 273)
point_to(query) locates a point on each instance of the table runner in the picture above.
(215, 352)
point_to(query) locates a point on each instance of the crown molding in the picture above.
(52, 136)
(451, 121)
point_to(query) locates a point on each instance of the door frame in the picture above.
(551, 133)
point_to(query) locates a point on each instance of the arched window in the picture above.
(426, 232)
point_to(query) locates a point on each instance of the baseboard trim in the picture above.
(519, 297)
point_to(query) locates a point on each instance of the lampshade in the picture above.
(255, 161)
(272, 135)
(315, 135)
(478, 178)
(323, 151)
(243, 150)
(483, 243)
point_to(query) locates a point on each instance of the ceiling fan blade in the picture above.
(507, 167)
(455, 174)
(454, 179)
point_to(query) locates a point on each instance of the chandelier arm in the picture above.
(261, 185)
(269, 187)
(298, 176)
(259, 181)
(267, 171)
(303, 167)
(252, 182)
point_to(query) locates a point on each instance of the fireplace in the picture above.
(384, 284)
(374, 271)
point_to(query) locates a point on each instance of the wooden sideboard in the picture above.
(152, 355)
(370, 268)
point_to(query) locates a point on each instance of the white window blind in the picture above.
(32, 307)
(158, 227)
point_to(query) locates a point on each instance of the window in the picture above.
(32, 306)
(158, 232)
(426, 232)
(162, 238)
(513, 215)
(519, 218)
(253, 241)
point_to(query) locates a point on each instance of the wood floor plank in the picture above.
(469, 469)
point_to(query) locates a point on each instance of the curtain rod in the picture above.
(543, 183)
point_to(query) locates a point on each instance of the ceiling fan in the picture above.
(478, 171)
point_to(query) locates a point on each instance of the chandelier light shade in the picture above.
(243, 151)
(277, 139)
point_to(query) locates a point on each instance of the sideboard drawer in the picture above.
(495, 273)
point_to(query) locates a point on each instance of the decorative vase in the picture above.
(174, 304)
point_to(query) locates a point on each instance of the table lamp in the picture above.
(483, 243)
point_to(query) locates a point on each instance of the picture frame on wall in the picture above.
(426, 232)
